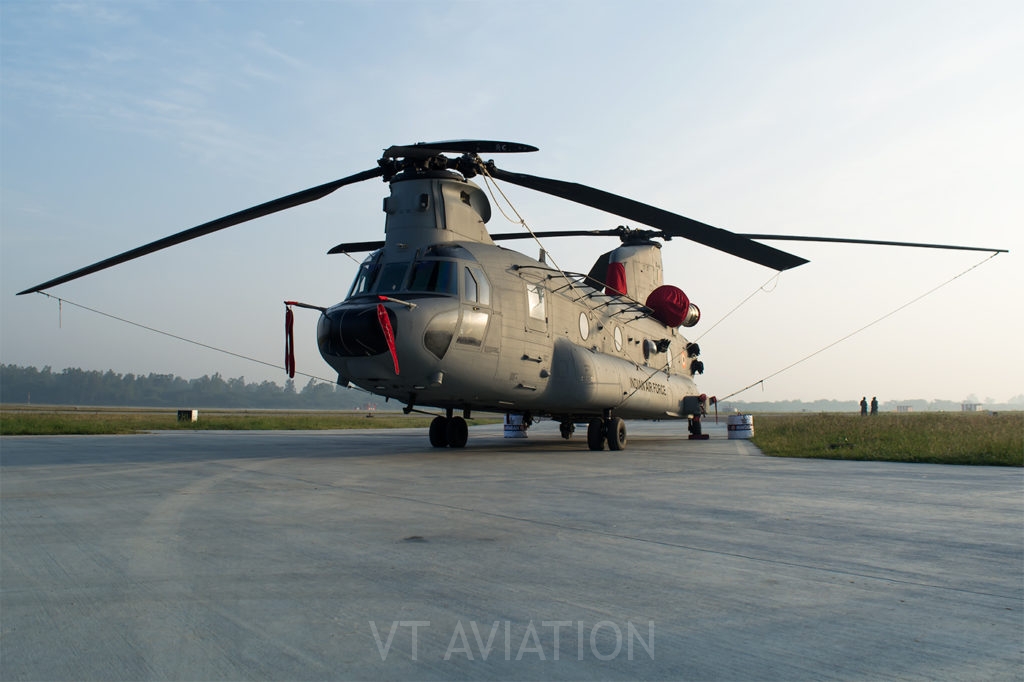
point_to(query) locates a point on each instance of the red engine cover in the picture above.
(670, 305)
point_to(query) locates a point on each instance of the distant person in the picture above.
(874, 405)
(864, 406)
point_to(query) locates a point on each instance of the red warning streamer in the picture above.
(289, 342)
(389, 333)
(289, 333)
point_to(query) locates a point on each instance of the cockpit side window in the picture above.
(475, 286)
(365, 278)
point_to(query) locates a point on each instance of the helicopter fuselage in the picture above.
(476, 326)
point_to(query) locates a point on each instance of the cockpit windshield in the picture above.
(438, 276)
(392, 275)
(427, 276)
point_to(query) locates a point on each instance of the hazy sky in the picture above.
(123, 122)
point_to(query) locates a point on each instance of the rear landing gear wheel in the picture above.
(596, 434)
(616, 434)
(566, 429)
(458, 432)
(439, 432)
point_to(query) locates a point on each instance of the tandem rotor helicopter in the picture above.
(441, 316)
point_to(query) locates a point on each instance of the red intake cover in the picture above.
(670, 305)
(616, 280)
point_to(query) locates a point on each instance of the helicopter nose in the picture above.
(354, 331)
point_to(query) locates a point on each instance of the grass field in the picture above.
(937, 437)
(24, 420)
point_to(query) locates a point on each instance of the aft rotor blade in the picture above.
(290, 201)
(554, 233)
(670, 223)
(876, 242)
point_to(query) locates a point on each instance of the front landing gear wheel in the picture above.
(458, 432)
(439, 432)
(616, 434)
(596, 434)
(566, 428)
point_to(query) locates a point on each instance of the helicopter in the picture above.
(440, 315)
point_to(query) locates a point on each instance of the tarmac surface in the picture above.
(369, 554)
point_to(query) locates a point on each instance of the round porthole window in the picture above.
(584, 326)
(618, 339)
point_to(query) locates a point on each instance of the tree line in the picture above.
(74, 386)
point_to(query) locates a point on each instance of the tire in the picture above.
(458, 432)
(439, 432)
(616, 434)
(596, 434)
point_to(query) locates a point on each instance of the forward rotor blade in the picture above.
(458, 147)
(290, 201)
(670, 223)
(356, 247)
(841, 240)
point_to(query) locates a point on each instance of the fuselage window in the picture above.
(535, 300)
(438, 276)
